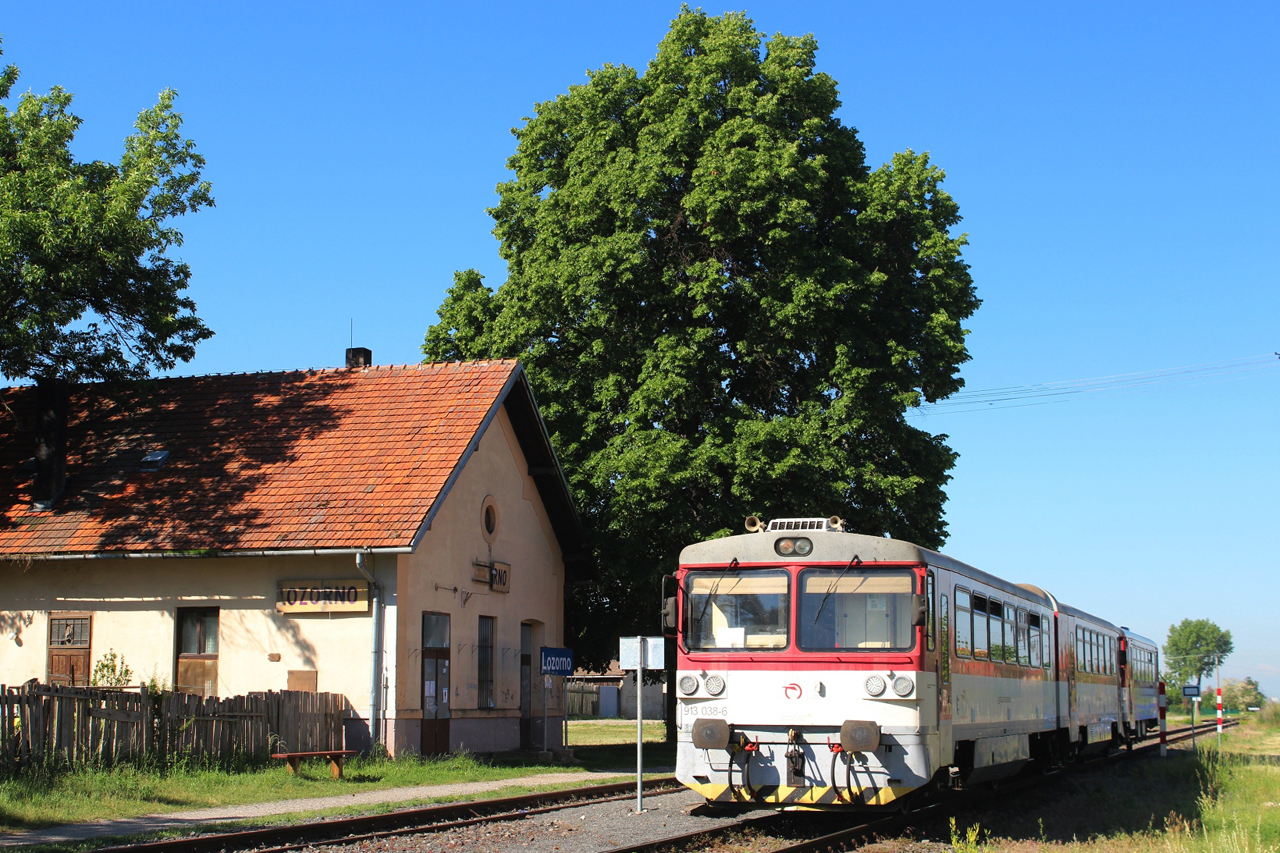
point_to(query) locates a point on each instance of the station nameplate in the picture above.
(322, 596)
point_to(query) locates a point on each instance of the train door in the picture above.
(1065, 673)
(435, 683)
(939, 597)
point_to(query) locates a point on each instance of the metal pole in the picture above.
(1195, 703)
(546, 710)
(640, 661)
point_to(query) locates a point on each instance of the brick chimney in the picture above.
(359, 357)
(52, 396)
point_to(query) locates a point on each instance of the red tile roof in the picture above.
(300, 460)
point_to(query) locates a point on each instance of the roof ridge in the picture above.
(309, 371)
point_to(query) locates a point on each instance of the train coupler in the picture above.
(795, 760)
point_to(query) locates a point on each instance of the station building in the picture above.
(397, 535)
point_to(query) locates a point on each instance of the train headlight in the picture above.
(903, 685)
(875, 685)
(688, 684)
(715, 685)
(792, 545)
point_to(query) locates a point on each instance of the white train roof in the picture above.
(833, 546)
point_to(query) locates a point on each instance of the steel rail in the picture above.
(881, 824)
(405, 821)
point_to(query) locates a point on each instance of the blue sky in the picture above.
(1115, 164)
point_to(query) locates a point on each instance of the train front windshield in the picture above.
(858, 610)
(737, 610)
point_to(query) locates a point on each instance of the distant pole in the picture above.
(1162, 701)
(1218, 679)
(1195, 703)
(640, 725)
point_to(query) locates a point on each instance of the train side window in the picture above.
(1033, 634)
(928, 598)
(964, 624)
(1047, 651)
(980, 635)
(1010, 634)
(1000, 633)
(1080, 656)
(995, 620)
(1024, 638)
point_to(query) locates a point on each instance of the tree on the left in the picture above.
(87, 289)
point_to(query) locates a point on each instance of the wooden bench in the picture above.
(335, 756)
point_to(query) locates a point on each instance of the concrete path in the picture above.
(220, 814)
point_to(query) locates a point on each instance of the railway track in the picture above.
(403, 822)
(846, 838)
(442, 819)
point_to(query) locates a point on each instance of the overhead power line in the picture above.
(1015, 396)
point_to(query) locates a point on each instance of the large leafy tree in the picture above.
(722, 309)
(87, 289)
(1194, 648)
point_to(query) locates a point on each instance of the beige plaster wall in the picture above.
(133, 604)
(524, 539)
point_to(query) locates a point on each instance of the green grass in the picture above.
(48, 798)
(1191, 802)
(596, 732)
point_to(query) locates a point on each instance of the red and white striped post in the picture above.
(1219, 715)
(1163, 702)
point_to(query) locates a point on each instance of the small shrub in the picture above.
(111, 671)
(970, 842)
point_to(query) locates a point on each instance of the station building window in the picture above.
(197, 637)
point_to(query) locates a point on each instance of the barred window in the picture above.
(484, 676)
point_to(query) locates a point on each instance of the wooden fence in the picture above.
(44, 725)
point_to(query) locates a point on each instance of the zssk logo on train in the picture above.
(792, 691)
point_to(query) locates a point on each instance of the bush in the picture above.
(111, 671)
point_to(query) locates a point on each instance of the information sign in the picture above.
(1191, 691)
(557, 661)
(630, 649)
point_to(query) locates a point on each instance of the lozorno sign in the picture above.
(322, 596)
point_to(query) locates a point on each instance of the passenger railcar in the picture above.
(824, 669)
(1139, 681)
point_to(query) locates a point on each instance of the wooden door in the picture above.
(526, 685)
(435, 683)
(68, 663)
(69, 667)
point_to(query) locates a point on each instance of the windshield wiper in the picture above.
(733, 564)
(835, 584)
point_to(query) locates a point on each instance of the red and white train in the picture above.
(825, 669)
